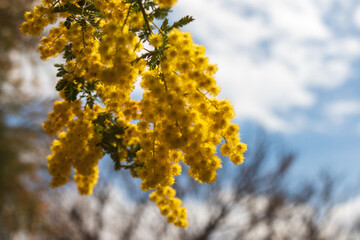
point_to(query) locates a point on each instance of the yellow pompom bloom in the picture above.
(156, 40)
(179, 119)
(166, 3)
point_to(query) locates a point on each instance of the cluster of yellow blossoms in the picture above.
(179, 119)
(169, 205)
(77, 147)
(165, 3)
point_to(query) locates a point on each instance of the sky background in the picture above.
(291, 67)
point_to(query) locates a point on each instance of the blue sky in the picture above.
(289, 66)
(293, 68)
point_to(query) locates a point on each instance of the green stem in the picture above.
(144, 15)
(161, 31)
(127, 16)
(212, 103)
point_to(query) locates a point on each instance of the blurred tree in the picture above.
(19, 182)
(253, 202)
(11, 17)
(19, 203)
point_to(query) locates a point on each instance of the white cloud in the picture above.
(30, 77)
(344, 218)
(271, 54)
(340, 110)
(357, 16)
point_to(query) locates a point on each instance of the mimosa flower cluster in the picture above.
(179, 119)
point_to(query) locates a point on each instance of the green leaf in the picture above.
(91, 8)
(112, 141)
(161, 13)
(71, 91)
(69, 8)
(132, 150)
(183, 21)
(149, 4)
(99, 129)
(68, 22)
(165, 25)
(68, 55)
(61, 70)
(92, 22)
(61, 84)
(81, 2)
(101, 118)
